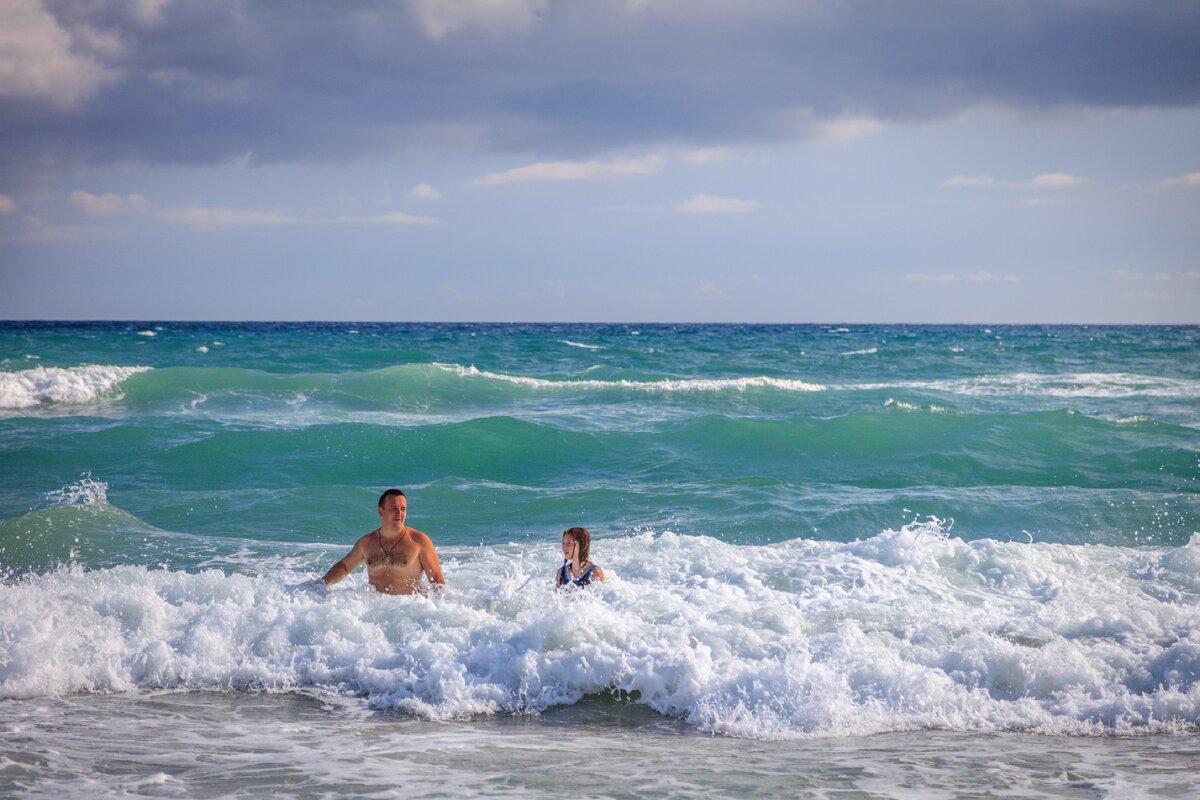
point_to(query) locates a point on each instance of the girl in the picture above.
(577, 568)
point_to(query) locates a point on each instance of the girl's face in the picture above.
(569, 546)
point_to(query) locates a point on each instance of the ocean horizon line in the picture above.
(761, 324)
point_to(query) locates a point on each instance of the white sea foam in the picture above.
(1080, 384)
(903, 406)
(910, 629)
(665, 385)
(86, 491)
(869, 351)
(569, 343)
(202, 349)
(60, 385)
(147, 333)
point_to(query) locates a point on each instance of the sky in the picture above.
(998, 161)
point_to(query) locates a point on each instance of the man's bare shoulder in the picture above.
(420, 537)
(366, 539)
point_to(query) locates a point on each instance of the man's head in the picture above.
(393, 508)
(391, 493)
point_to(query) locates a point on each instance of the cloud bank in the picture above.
(205, 83)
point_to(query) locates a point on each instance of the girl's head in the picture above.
(581, 539)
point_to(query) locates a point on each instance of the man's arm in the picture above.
(429, 562)
(348, 564)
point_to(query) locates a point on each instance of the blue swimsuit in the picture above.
(564, 576)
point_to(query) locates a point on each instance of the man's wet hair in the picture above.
(391, 493)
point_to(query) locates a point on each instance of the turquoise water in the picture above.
(840, 534)
(508, 433)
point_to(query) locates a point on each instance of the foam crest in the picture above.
(659, 386)
(60, 385)
(86, 491)
(569, 343)
(892, 402)
(910, 629)
(1081, 384)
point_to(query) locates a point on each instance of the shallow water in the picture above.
(251, 745)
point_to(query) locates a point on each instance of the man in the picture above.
(396, 554)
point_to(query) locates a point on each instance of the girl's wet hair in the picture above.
(584, 539)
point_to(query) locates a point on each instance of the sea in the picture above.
(842, 561)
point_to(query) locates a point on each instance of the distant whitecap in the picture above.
(69, 385)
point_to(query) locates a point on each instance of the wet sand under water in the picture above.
(216, 744)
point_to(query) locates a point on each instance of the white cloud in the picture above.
(843, 129)
(804, 123)
(423, 191)
(440, 18)
(7, 205)
(574, 170)
(711, 204)
(1055, 180)
(1046, 180)
(1194, 274)
(39, 59)
(200, 217)
(1191, 179)
(107, 204)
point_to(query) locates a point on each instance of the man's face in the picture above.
(394, 509)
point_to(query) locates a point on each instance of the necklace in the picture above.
(387, 551)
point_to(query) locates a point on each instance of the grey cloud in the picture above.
(207, 82)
